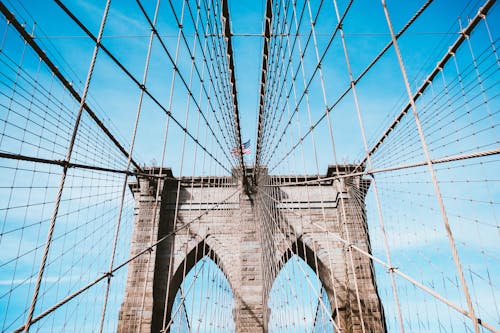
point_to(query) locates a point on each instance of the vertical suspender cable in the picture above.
(432, 172)
(229, 49)
(377, 200)
(65, 171)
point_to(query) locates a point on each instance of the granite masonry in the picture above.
(232, 222)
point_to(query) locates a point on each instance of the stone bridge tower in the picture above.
(231, 235)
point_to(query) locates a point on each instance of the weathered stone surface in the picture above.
(311, 221)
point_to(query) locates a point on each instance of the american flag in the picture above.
(245, 149)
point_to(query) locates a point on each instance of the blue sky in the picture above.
(459, 114)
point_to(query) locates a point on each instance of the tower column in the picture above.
(249, 307)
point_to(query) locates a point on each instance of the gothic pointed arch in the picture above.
(197, 251)
(331, 281)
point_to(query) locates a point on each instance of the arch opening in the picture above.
(298, 301)
(204, 300)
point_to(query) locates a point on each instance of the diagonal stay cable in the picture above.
(482, 12)
(219, 71)
(395, 270)
(123, 264)
(197, 70)
(272, 103)
(34, 45)
(311, 78)
(307, 85)
(356, 81)
(279, 72)
(373, 62)
(212, 69)
(298, 15)
(183, 79)
(142, 87)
